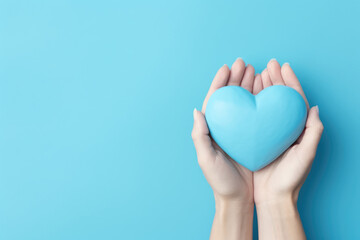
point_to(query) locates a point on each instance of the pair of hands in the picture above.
(275, 188)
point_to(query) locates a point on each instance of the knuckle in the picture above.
(320, 127)
(193, 134)
(311, 156)
(201, 162)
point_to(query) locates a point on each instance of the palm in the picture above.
(284, 174)
(234, 180)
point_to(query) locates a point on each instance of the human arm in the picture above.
(277, 186)
(232, 183)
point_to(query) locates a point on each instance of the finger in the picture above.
(312, 134)
(292, 81)
(266, 78)
(257, 84)
(248, 80)
(220, 80)
(274, 70)
(201, 138)
(237, 72)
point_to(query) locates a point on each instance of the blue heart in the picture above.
(255, 130)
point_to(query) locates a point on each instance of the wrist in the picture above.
(278, 218)
(274, 198)
(233, 205)
(233, 219)
(278, 207)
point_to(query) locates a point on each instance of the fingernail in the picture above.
(194, 112)
(239, 58)
(317, 109)
(287, 63)
(273, 59)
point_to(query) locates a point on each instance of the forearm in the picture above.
(233, 220)
(279, 219)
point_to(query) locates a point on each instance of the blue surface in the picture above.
(255, 130)
(96, 101)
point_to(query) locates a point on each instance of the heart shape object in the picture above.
(255, 130)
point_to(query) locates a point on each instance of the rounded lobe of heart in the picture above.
(255, 130)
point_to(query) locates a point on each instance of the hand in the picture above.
(277, 186)
(232, 183)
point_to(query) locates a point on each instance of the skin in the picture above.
(274, 189)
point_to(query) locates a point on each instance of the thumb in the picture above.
(312, 133)
(202, 141)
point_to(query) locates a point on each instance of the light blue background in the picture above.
(96, 101)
